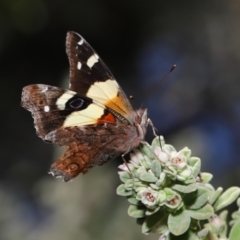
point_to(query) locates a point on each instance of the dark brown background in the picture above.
(197, 106)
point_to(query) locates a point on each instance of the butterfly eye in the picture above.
(76, 103)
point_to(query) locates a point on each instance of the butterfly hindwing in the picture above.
(87, 147)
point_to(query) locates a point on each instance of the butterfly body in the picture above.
(93, 119)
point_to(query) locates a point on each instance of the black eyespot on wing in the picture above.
(77, 103)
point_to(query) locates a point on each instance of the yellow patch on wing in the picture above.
(108, 93)
(103, 91)
(64, 98)
(87, 116)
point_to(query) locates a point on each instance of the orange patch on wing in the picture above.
(110, 118)
(119, 105)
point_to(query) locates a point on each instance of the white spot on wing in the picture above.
(46, 108)
(79, 66)
(44, 90)
(80, 42)
(63, 99)
(92, 60)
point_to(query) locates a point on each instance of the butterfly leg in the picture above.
(149, 121)
(154, 131)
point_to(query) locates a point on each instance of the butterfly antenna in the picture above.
(154, 87)
(131, 99)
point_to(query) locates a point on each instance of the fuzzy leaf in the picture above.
(157, 142)
(238, 202)
(151, 211)
(185, 188)
(174, 221)
(197, 199)
(214, 194)
(124, 176)
(195, 163)
(136, 211)
(170, 194)
(147, 177)
(134, 201)
(169, 148)
(206, 177)
(154, 186)
(146, 149)
(161, 179)
(202, 213)
(156, 222)
(123, 192)
(189, 180)
(236, 215)
(156, 168)
(129, 184)
(189, 235)
(223, 215)
(145, 163)
(235, 231)
(203, 233)
(187, 152)
(228, 197)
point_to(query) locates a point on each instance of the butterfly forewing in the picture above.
(86, 66)
(90, 76)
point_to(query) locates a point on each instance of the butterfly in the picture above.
(93, 119)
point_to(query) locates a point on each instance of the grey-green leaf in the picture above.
(189, 235)
(156, 168)
(124, 176)
(146, 149)
(170, 194)
(136, 211)
(134, 201)
(197, 199)
(202, 213)
(123, 192)
(174, 221)
(157, 142)
(195, 162)
(185, 188)
(187, 152)
(206, 177)
(147, 177)
(228, 197)
(156, 222)
(235, 231)
(203, 233)
(214, 194)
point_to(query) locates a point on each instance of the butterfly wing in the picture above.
(86, 148)
(90, 76)
(79, 117)
(53, 108)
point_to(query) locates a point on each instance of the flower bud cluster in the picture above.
(166, 190)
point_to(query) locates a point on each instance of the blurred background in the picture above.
(197, 106)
